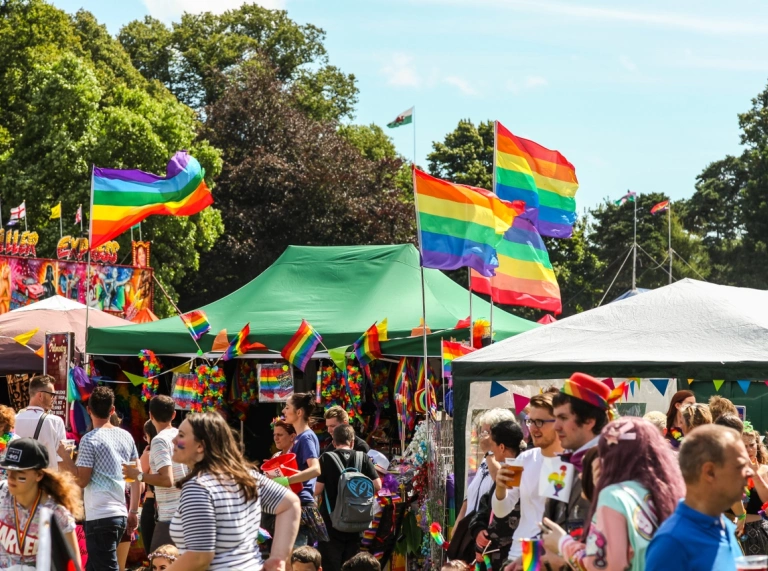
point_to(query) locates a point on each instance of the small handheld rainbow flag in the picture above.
(302, 345)
(452, 350)
(239, 345)
(532, 552)
(367, 348)
(662, 206)
(197, 323)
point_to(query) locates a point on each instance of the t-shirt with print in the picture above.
(9, 544)
(105, 450)
(160, 452)
(214, 516)
(306, 446)
(329, 477)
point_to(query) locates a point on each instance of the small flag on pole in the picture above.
(239, 345)
(453, 350)
(56, 211)
(405, 118)
(19, 212)
(197, 323)
(367, 348)
(79, 214)
(662, 206)
(629, 197)
(301, 346)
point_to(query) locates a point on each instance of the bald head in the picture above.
(709, 443)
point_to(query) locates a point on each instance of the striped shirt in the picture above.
(214, 517)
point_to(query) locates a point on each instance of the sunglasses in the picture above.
(47, 392)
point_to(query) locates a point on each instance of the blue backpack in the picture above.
(355, 498)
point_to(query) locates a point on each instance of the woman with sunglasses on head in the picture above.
(31, 485)
(222, 497)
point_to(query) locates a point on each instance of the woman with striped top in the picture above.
(222, 497)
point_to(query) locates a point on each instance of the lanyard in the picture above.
(21, 536)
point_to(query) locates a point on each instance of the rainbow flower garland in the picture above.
(336, 388)
(4, 440)
(152, 368)
(212, 386)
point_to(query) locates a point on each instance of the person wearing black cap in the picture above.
(31, 485)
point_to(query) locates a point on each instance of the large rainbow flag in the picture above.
(460, 225)
(525, 275)
(542, 178)
(301, 346)
(123, 198)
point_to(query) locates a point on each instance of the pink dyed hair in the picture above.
(647, 459)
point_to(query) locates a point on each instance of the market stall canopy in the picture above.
(341, 291)
(56, 314)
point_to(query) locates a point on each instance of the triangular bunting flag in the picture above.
(718, 384)
(744, 385)
(183, 368)
(520, 402)
(339, 357)
(690, 381)
(497, 389)
(610, 383)
(635, 380)
(220, 342)
(632, 387)
(661, 385)
(23, 338)
(382, 328)
(766, 383)
(41, 351)
(137, 380)
(626, 391)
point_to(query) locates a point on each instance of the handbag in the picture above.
(462, 544)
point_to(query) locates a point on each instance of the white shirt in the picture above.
(478, 487)
(531, 504)
(51, 433)
(160, 452)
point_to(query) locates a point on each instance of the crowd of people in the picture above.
(679, 491)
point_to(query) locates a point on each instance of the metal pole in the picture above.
(669, 238)
(634, 248)
(469, 273)
(493, 189)
(88, 269)
(1, 214)
(61, 221)
(24, 202)
(140, 238)
(80, 208)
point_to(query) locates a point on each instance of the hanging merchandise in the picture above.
(342, 389)
(213, 385)
(152, 368)
(379, 380)
(186, 393)
(244, 390)
(275, 382)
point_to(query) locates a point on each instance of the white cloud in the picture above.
(171, 10)
(400, 71)
(530, 82)
(462, 84)
(627, 64)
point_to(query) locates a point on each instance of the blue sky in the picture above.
(637, 96)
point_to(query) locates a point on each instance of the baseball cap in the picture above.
(25, 454)
(379, 460)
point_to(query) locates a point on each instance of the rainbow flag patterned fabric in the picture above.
(275, 382)
(197, 323)
(123, 198)
(452, 350)
(532, 553)
(367, 348)
(525, 275)
(460, 225)
(302, 345)
(542, 178)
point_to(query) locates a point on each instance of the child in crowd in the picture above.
(162, 557)
(454, 565)
(306, 559)
(362, 561)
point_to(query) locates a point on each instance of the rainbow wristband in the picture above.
(741, 516)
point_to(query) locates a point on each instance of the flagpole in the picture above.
(1, 214)
(24, 202)
(469, 273)
(423, 286)
(669, 238)
(493, 190)
(88, 269)
(634, 248)
(61, 222)
(80, 208)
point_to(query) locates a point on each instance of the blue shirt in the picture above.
(691, 540)
(306, 446)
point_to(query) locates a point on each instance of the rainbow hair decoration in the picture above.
(532, 553)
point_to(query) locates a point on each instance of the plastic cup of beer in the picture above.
(752, 563)
(129, 465)
(69, 444)
(513, 472)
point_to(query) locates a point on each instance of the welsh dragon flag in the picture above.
(405, 118)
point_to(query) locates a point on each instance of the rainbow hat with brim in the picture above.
(592, 391)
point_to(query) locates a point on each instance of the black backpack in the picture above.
(355, 498)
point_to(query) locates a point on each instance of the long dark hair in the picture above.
(678, 397)
(644, 457)
(221, 453)
(304, 402)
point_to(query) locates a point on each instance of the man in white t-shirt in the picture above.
(102, 453)
(541, 423)
(164, 473)
(52, 431)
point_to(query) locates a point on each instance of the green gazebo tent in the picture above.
(340, 291)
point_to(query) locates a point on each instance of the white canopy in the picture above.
(55, 303)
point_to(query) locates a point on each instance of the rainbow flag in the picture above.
(367, 348)
(662, 206)
(302, 345)
(542, 178)
(452, 350)
(460, 225)
(525, 275)
(197, 323)
(123, 198)
(240, 345)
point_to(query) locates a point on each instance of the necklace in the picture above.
(4, 440)
(21, 536)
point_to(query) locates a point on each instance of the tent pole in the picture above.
(469, 275)
(669, 238)
(634, 249)
(88, 273)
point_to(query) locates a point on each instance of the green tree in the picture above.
(289, 179)
(466, 155)
(195, 57)
(69, 99)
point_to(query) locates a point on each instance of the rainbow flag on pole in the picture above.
(542, 178)
(452, 350)
(525, 275)
(460, 225)
(123, 198)
(240, 345)
(662, 206)
(302, 345)
(367, 348)
(197, 323)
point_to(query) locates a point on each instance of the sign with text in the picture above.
(59, 353)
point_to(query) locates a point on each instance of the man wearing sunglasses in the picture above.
(541, 424)
(36, 422)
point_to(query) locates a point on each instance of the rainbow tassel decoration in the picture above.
(197, 323)
(532, 553)
(436, 532)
